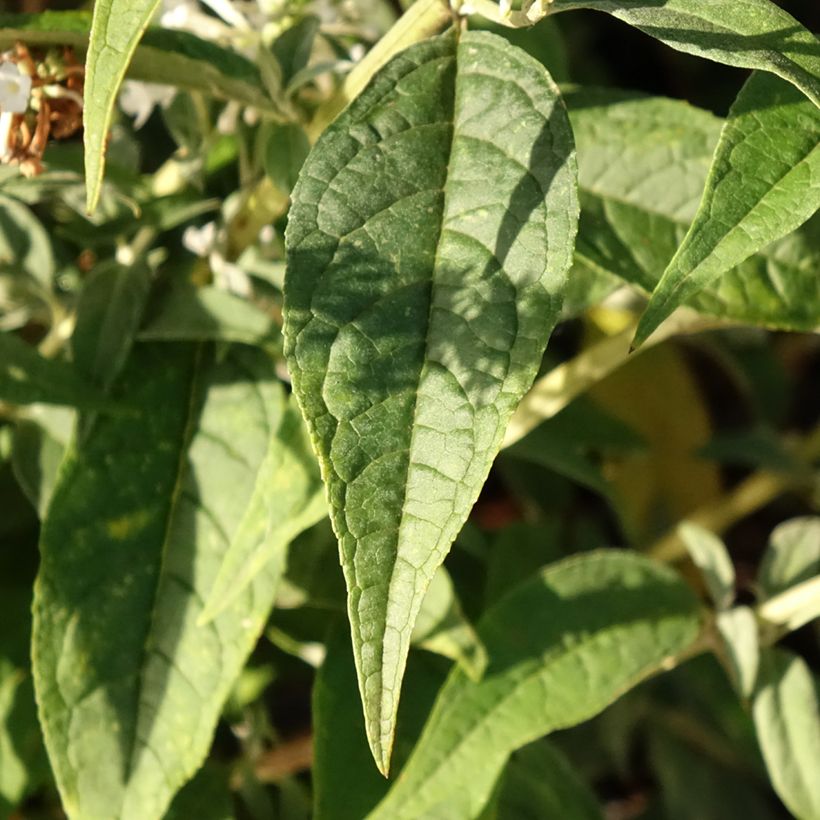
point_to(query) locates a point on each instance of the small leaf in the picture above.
(764, 183)
(185, 312)
(129, 687)
(286, 148)
(288, 499)
(751, 34)
(428, 245)
(36, 457)
(792, 556)
(712, 558)
(786, 712)
(116, 28)
(738, 628)
(24, 244)
(441, 627)
(562, 646)
(27, 377)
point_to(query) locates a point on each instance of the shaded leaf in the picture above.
(747, 34)
(562, 646)
(27, 377)
(25, 248)
(764, 182)
(643, 163)
(786, 712)
(129, 687)
(36, 456)
(712, 558)
(419, 297)
(185, 312)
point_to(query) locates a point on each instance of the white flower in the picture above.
(15, 89)
(138, 99)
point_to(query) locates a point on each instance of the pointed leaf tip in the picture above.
(419, 298)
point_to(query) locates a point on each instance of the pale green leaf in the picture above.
(116, 28)
(786, 712)
(129, 686)
(442, 627)
(288, 499)
(792, 555)
(738, 628)
(427, 250)
(743, 33)
(35, 458)
(185, 312)
(643, 164)
(562, 646)
(712, 558)
(764, 183)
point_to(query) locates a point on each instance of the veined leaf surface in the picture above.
(129, 685)
(428, 243)
(764, 183)
(743, 33)
(561, 647)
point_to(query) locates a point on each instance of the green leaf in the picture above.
(110, 310)
(643, 163)
(786, 712)
(286, 148)
(116, 28)
(747, 34)
(129, 686)
(792, 556)
(419, 297)
(562, 646)
(27, 377)
(712, 558)
(288, 499)
(24, 244)
(764, 183)
(442, 627)
(738, 628)
(36, 458)
(186, 312)
(539, 782)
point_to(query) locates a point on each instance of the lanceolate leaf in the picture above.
(792, 556)
(562, 646)
(129, 686)
(116, 28)
(427, 249)
(764, 183)
(744, 33)
(643, 163)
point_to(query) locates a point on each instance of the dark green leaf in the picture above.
(747, 34)
(419, 297)
(562, 646)
(764, 183)
(129, 686)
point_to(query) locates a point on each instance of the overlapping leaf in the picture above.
(129, 685)
(744, 33)
(562, 646)
(764, 183)
(427, 245)
(643, 163)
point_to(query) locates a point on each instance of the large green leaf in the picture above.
(427, 249)
(562, 646)
(643, 163)
(786, 711)
(764, 183)
(129, 686)
(743, 33)
(116, 28)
